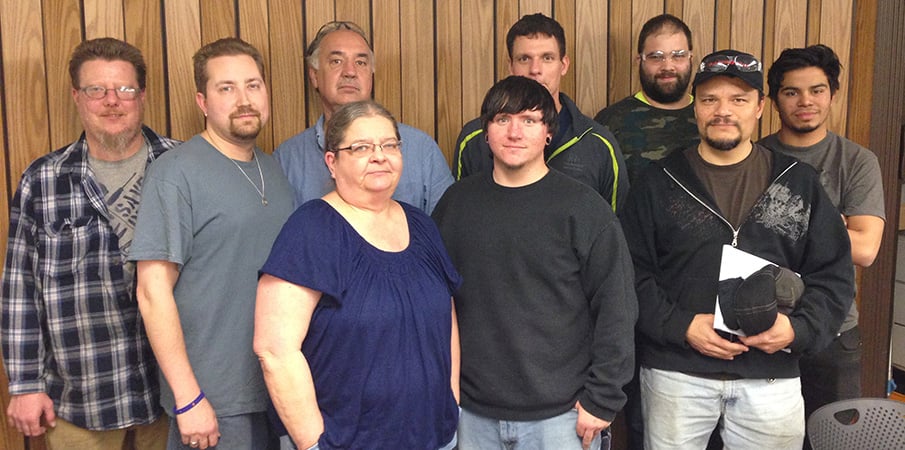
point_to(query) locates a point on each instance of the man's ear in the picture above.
(201, 101)
(312, 77)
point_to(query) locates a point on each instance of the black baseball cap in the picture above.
(731, 63)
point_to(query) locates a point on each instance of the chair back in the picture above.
(861, 423)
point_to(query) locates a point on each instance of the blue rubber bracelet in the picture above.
(191, 405)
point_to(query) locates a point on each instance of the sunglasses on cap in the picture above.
(721, 63)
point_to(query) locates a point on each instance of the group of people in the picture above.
(350, 291)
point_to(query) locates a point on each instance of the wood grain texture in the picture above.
(564, 13)
(28, 124)
(507, 13)
(449, 76)
(218, 20)
(287, 69)
(590, 65)
(183, 25)
(700, 17)
(479, 55)
(62, 33)
(254, 28)
(621, 52)
(417, 68)
(836, 32)
(387, 41)
(103, 18)
(145, 31)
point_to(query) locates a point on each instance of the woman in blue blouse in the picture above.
(354, 323)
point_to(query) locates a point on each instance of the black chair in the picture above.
(862, 423)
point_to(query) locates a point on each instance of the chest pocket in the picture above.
(65, 248)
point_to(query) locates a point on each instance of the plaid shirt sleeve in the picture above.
(23, 348)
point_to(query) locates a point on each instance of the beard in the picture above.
(723, 144)
(117, 142)
(669, 93)
(246, 131)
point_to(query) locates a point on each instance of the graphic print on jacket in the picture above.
(782, 212)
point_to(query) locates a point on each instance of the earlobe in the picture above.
(329, 159)
(201, 101)
(312, 78)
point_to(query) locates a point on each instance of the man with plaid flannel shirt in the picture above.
(74, 346)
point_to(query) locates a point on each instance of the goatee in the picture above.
(117, 142)
(723, 144)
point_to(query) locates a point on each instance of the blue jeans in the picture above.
(482, 433)
(287, 444)
(241, 432)
(680, 411)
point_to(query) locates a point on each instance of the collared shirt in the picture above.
(70, 322)
(425, 172)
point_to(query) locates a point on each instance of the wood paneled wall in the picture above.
(435, 59)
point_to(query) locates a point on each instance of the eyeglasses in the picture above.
(362, 149)
(99, 92)
(659, 57)
(721, 63)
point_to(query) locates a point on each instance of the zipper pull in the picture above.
(735, 238)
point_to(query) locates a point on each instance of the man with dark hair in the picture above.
(74, 347)
(341, 68)
(581, 148)
(651, 123)
(208, 219)
(803, 83)
(660, 117)
(547, 307)
(686, 215)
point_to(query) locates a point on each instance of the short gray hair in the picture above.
(342, 119)
(313, 50)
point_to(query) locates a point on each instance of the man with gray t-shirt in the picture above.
(211, 211)
(803, 83)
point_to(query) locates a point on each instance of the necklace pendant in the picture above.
(263, 201)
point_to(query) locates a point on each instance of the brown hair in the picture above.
(107, 49)
(222, 47)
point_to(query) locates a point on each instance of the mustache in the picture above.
(244, 110)
(721, 121)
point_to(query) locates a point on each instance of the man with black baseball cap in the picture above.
(729, 191)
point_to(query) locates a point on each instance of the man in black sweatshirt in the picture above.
(547, 305)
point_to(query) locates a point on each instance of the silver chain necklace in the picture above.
(258, 163)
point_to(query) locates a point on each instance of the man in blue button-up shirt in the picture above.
(341, 68)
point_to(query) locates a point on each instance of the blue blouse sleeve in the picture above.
(309, 250)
